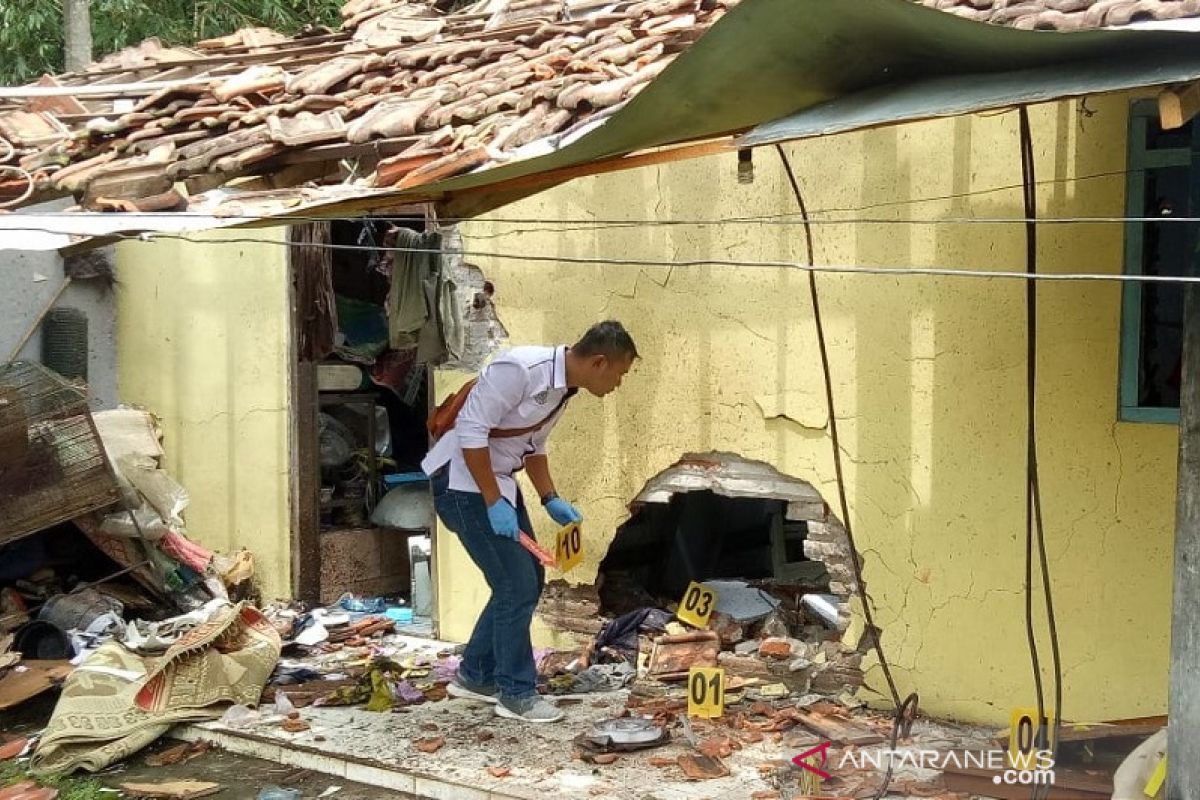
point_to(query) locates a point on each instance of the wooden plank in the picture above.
(378, 148)
(648, 159)
(1177, 105)
(305, 456)
(839, 729)
(128, 89)
(40, 676)
(1069, 784)
(1159, 721)
(1094, 732)
(531, 184)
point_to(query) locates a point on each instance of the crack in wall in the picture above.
(1120, 471)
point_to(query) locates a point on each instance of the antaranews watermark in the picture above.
(1035, 767)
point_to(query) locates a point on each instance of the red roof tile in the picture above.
(471, 87)
(1067, 15)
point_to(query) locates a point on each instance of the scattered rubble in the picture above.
(172, 790)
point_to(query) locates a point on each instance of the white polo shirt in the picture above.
(518, 389)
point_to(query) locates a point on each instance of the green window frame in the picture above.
(1142, 114)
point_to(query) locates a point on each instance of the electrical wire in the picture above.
(666, 222)
(782, 219)
(868, 614)
(1033, 499)
(1030, 430)
(851, 269)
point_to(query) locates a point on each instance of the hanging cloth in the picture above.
(407, 307)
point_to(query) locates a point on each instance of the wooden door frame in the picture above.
(305, 476)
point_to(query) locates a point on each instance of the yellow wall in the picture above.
(204, 344)
(929, 381)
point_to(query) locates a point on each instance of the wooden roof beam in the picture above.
(1178, 104)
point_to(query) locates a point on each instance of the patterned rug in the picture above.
(118, 702)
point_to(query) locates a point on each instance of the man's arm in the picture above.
(479, 464)
(500, 389)
(537, 467)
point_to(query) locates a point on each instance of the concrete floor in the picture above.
(379, 749)
(240, 777)
(356, 743)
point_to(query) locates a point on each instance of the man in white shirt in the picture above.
(501, 429)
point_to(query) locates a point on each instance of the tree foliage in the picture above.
(31, 31)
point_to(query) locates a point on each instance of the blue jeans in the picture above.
(499, 653)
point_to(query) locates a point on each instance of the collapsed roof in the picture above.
(408, 104)
(428, 95)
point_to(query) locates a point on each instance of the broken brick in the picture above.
(765, 794)
(16, 789)
(719, 747)
(295, 725)
(41, 793)
(775, 648)
(659, 761)
(13, 749)
(605, 758)
(172, 755)
(702, 767)
(431, 745)
(673, 656)
(499, 772)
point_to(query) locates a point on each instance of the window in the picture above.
(1152, 319)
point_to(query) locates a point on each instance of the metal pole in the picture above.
(1183, 738)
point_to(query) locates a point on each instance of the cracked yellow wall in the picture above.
(929, 381)
(203, 337)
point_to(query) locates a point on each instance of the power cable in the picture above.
(909, 703)
(851, 269)
(1033, 497)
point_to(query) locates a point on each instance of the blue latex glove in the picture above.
(503, 518)
(562, 512)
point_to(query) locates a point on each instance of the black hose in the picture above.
(909, 704)
(1034, 529)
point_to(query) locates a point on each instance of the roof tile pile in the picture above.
(421, 95)
(1067, 15)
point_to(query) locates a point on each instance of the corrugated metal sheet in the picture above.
(969, 93)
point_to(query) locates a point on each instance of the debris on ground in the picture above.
(27, 790)
(117, 702)
(13, 748)
(179, 754)
(171, 790)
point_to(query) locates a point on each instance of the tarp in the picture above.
(965, 94)
(768, 60)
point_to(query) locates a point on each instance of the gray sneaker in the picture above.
(464, 689)
(528, 709)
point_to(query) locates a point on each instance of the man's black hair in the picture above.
(609, 339)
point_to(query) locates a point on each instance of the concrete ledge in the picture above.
(366, 771)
